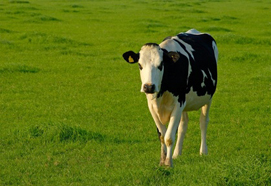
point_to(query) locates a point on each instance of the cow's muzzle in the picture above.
(149, 88)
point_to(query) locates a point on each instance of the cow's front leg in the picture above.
(171, 133)
(163, 146)
(161, 130)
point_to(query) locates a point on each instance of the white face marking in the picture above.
(151, 57)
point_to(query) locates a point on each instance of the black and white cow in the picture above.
(178, 75)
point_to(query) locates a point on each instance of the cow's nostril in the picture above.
(149, 88)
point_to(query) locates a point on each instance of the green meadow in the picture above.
(71, 111)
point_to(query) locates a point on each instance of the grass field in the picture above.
(70, 108)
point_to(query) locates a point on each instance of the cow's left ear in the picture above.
(175, 56)
(130, 57)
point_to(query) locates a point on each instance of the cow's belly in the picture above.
(195, 102)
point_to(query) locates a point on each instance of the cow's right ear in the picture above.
(130, 57)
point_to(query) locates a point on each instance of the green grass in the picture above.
(70, 107)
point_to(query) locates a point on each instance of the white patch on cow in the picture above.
(188, 47)
(189, 70)
(202, 84)
(211, 77)
(193, 31)
(215, 51)
(195, 102)
(172, 46)
(204, 76)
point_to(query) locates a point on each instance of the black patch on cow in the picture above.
(169, 37)
(176, 73)
(151, 44)
(175, 77)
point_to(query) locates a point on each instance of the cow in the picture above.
(178, 75)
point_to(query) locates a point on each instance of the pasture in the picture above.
(71, 112)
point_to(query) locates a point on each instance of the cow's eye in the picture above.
(140, 67)
(160, 67)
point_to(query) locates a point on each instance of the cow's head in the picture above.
(151, 60)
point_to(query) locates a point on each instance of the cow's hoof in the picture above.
(162, 162)
(176, 155)
(168, 162)
(203, 150)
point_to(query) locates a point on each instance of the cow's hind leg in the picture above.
(181, 133)
(204, 119)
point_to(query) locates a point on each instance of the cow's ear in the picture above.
(130, 57)
(175, 56)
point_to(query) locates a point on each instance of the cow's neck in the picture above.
(166, 98)
(162, 105)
